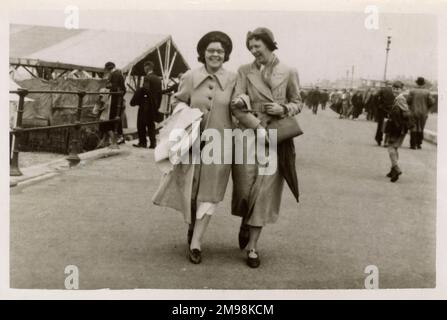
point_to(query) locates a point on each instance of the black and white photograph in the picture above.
(218, 148)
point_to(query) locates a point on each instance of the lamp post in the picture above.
(352, 77)
(347, 79)
(388, 42)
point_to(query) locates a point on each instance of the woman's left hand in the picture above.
(274, 109)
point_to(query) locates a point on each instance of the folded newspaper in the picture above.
(168, 150)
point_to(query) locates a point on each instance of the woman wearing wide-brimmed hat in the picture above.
(196, 189)
(273, 92)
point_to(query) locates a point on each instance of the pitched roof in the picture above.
(86, 48)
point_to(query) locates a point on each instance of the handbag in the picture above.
(286, 128)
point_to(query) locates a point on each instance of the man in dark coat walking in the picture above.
(324, 97)
(385, 100)
(148, 99)
(420, 103)
(357, 104)
(315, 100)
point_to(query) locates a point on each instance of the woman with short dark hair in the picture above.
(272, 89)
(198, 188)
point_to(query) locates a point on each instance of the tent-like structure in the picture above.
(47, 52)
(14, 87)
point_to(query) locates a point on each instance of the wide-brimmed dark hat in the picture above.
(420, 81)
(215, 36)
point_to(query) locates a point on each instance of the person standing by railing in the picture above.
(115, 82)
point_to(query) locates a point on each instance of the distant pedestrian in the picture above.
(315, 100)
(350, 104)
(309, 98)
(385, 100)
(345, 103)
(368, 101)
(396, 128)
(303, 95)
(115, 83)
(324, 98)
(420, 102)
(102, 111)
(147, 113)
(357, 104)
(335, 103)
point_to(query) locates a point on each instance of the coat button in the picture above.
(211, 87)
(210, 98)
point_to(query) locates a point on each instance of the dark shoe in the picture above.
(379, 143)
(139, 145)
(244, 235)
(195, 256)
(390, 174)
(253, 262)
(413, 147)
(395, 175)
(419, 147)
(152, 146)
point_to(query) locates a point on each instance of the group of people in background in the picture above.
(314, 98)
(397, 112)
(408, 112)
(373, 101)
(147, 97)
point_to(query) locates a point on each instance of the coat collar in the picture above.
(201, 74)
(255, 77)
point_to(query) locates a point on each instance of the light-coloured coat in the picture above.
(212, 95)
(253, 195)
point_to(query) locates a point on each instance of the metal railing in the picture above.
(75, 147)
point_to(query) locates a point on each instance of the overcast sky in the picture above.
(320, 45)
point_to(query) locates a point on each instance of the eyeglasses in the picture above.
(213, 51)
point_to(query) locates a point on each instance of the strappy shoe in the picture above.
(253, 262)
